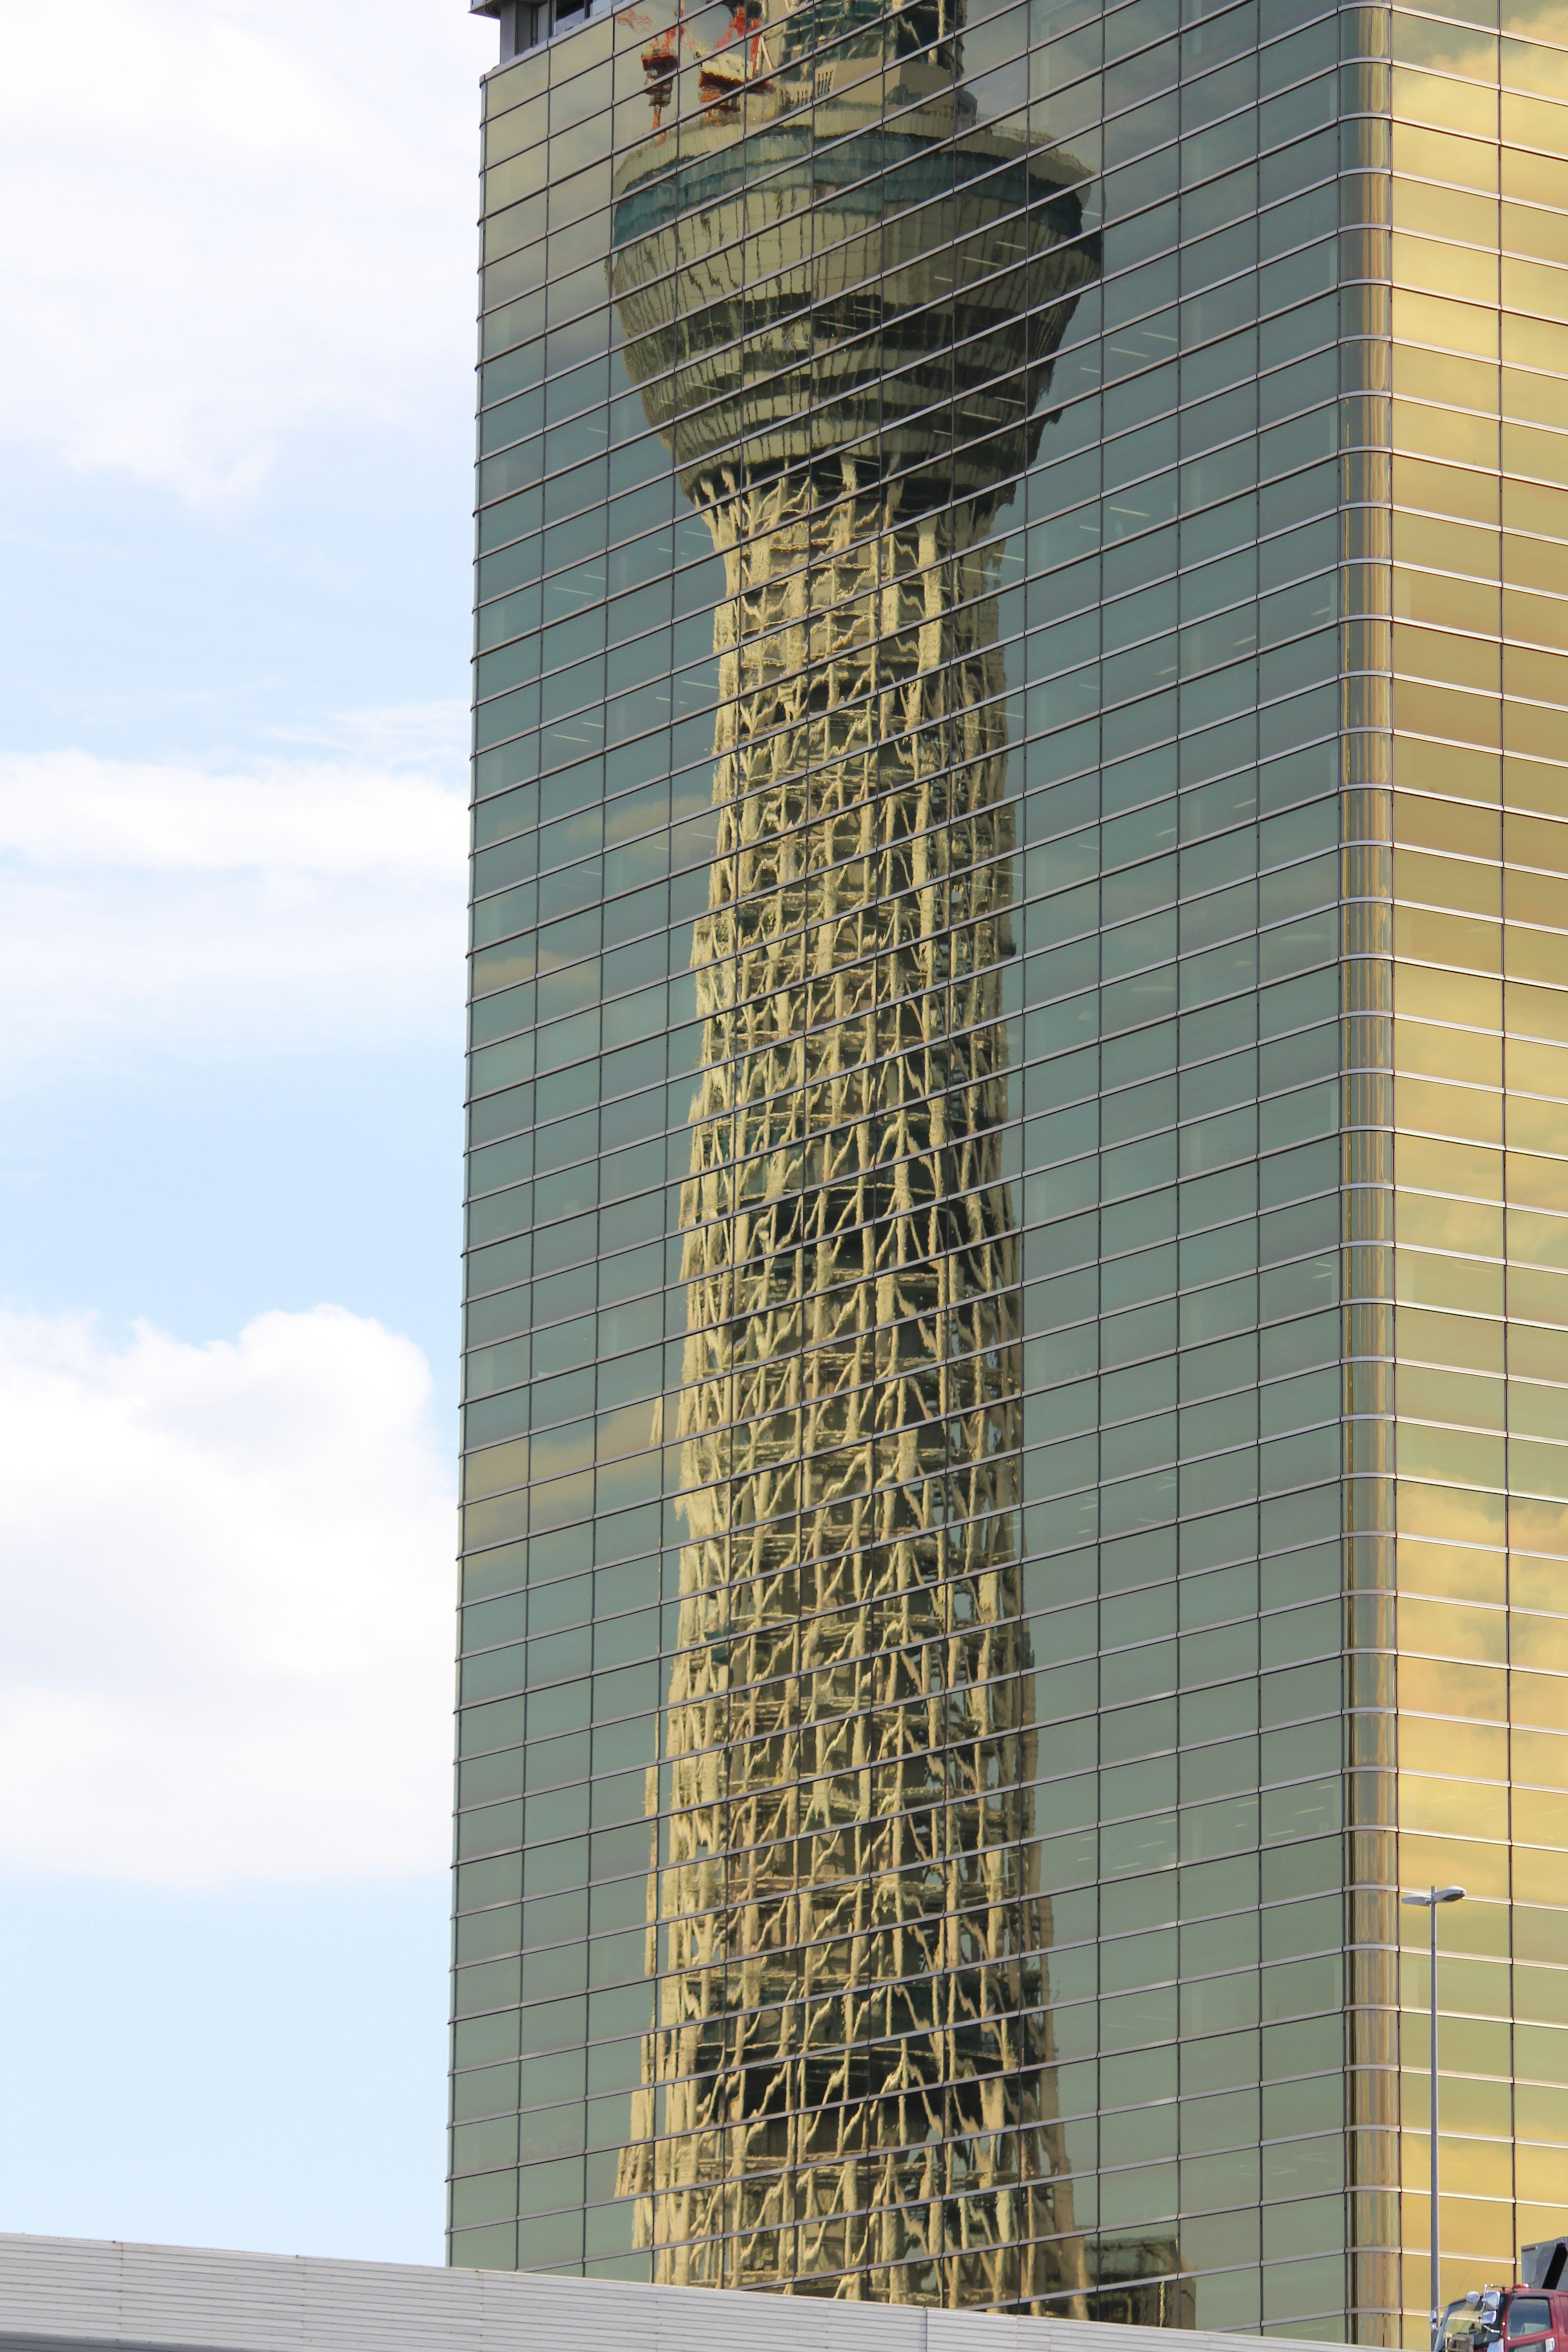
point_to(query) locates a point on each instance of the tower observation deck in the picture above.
(840, 291)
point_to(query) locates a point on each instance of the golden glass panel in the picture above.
(1537, 677)
(1534, 1240)
(1535, 399)
(1533, 730)
(1469, 662)
(1541, 1759)
(1459, 276)
(1535, 1354)
(1541, 2175)
(1541, 1995)
(1536, 235)
(1474, 2108)
(1534, 179)
(1427, 1047)
(1538, 1470)
(1485, 2166)
(1546, 1297)
(1443, 1687)
(1538, 1012)
(1460, 1341)
(1532, 122)
(1445, 213)
(1447, 105)
(1473, 2234)
(1469, 717)
(1536, 619)
(1535, 1183)
(1542, 2049)
(1538, 1527)
(1442, 1862)
(1539, 343)
(1540, 1413)
(1449, 1571)
(1464, 1228)
(1536, 2221)
(1534, 897)
(1449, 437)
(1530, 841)
(1456, 1631)
(1538, 1935)
(1535, 286)
(1430, 936)
(1538, 511)
(1430, 1165)
(1446, 490)
(1448, 1750)
(1539, 1641)
(1468, 1112)
(1538, 2115)
(1440, 155)
(1437, 602)
(1445, 1453)
(1422, 1280)
(1451, 1809)
(1425, 878)
(1468, 1400)
(1421, 821)
(1450, 1628)
(1534, 956)
(1533, 1125)
(1449, 49)
(1529, 453)
(1457, 770)
(1533, 785)
(1470, 1947)
(1534, 58)
(1434, 319)
(1443, 546)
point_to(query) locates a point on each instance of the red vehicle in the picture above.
(1531, 2317)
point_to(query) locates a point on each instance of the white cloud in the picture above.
(225, 1587)
(304, 901)
(224, 221)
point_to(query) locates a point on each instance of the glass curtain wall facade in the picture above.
(1479, 487)
(1016, 1223)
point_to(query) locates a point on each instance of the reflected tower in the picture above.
(1279, 1143)
(840, 293)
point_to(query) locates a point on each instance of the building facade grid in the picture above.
(1229, 760)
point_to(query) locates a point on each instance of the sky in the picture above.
(237, 247)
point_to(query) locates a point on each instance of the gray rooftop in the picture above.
(61, 2292)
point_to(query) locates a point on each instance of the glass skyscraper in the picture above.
(1015, 1441)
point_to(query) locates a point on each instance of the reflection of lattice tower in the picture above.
(850, 2083)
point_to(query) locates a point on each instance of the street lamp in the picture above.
(1430, 1900)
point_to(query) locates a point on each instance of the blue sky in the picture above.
(235, 285)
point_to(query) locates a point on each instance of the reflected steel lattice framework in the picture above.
(1279, 598)
(851, 2067)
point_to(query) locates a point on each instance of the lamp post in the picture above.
(1430, 1900)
